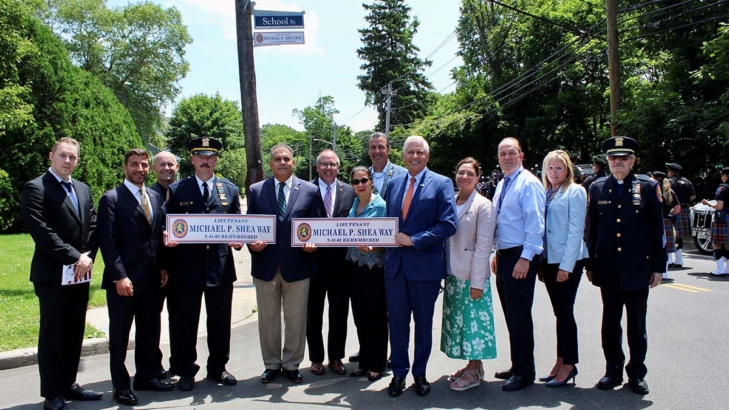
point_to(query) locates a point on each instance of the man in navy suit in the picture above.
(130, 229)
(59, 214)
(196, 269)
(425, 205)
(280, 272)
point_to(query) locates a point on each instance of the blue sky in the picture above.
(294, 76)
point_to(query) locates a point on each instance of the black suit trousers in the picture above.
(186, 305)
(517, 297)
(333, 285)
(636, 306)
(369, 309)
(143, 309)
(562, 295)
(62, 324)
(164, 294)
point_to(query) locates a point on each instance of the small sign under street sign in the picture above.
(263, 22)
(277, 38)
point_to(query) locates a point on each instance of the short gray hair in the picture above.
(282, 145)
(415, 138)
(318, 157)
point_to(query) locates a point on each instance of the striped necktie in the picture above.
(281, 201)
(145, 206)
(328, 201)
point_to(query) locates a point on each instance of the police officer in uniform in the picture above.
(685, 192)
(198, 270)
(599, 166)
(627, 256)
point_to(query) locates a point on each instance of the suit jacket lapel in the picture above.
(401, 195)
(467, 205)
(389, 169)
(295, 184)
(126, 195)
(424, 182)
(338, 198)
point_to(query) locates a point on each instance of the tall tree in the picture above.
(391, 58)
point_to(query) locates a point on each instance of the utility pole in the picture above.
(248, 96)
(611, 7)
(389, 93)
(335, 127)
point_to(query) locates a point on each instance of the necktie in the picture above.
(281, 201)
(328, 201)
(507, 181)
(206, 193)
(145, 206)
(408, 198)
(72, 195)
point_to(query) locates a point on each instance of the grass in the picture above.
(19, 312)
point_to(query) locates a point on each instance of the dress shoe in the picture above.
(186, 383)
(516, 383)
(224, 378)
(269, 375)
(557, 383)
(125, 397)
(609, 382)
(358, 373)
(337, 367)
(422, 386)
(172, 372)
(59, 403)
(76, 392)
(161, 374)
(293, 375)
(152, 384)
(397, 385)
(638, 385)
(317, 369)
(354, 357)
(504, 375)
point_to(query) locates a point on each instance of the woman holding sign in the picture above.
(367, 282)
(468, 314)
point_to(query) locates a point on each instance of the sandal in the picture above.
(456, 375)
(468, 380)
(358, 373)
(374, 376)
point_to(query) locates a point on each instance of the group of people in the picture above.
(536, 228)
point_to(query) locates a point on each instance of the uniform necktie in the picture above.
(206, 193)
(145, 206)
(72, 195)
(408, 198)
(328, 201)
(281, 201)
(507, 181)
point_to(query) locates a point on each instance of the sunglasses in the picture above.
(620, 157)
(360, 181)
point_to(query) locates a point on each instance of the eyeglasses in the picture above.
(360, 181)
(624, 157)
(328, 164)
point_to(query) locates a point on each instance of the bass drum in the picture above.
(702, 241)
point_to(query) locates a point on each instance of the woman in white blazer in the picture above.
(563, 258)
(468, 318)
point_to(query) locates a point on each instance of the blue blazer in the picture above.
(565, 227)
(304, 202)
(431, 220)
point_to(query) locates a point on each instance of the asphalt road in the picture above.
(687, 364)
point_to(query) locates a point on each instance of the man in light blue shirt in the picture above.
(519, 204)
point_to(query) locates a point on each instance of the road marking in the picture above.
(686, 288)
(692, 287)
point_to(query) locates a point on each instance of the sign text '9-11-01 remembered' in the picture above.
(221, 228)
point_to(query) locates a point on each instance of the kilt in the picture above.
(720, 234)
(670, 236)
(682, 223)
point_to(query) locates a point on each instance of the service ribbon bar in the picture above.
(344, 232)
(221, 228)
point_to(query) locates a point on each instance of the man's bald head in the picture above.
(165, 167)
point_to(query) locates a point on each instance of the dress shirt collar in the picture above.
(289, 182)
(59, 178)
(323, 185)
(209, 182)
(133, 189)
(418, 176)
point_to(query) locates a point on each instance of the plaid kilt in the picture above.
(720, 233)
(670, 236)
(682, 223)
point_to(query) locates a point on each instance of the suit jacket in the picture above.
(625, 233)
(392, 171)
(60, 234)
(467, 252)
(129, 244)
(304, 202)
(431, 220)
(333, 258)
(565, 225)
(201, 265)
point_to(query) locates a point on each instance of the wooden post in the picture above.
(613, 63)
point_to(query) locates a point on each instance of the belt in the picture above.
(510, 251)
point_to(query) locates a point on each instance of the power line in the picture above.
(656, 23)
(554, 23)
(648, 13)
(679, 27)
(442, 44)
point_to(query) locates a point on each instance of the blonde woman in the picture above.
(671, 208)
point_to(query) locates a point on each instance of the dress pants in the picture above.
(186, 304)
(332, 284)
(517, 297)
(62, 324)
(142, 308)
(164, 294)
(270, 296)
(406, 298)
(636, 305)
(369, 310)
(562, 295)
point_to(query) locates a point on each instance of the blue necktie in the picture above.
(281, 201)
(507, 181)
(72, 195)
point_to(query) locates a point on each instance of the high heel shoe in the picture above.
(547, 378)
(572, 375)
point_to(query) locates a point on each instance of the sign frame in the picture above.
(261, 35)
(387, 222)
(186, 219)
(297, 20)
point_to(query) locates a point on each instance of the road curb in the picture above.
(29, 356)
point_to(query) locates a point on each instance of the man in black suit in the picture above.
(196, 270)
(59, 214)
(331, 280)
(130, 229)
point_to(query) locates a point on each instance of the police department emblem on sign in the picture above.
(304, 232)
(179, 228)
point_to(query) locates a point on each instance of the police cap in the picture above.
(658, 174)
(204, 146)
(725, 170)
(620, 146)
(599, 161)
(673, 167)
